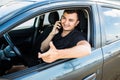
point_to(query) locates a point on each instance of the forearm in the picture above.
(45, 43)
(74, 52)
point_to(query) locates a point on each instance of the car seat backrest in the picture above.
(82, 26)
(53, 17)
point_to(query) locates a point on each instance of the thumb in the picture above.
(39, 55)
(52, 45)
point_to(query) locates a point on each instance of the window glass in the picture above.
(25, 25)
(112, 23)
(46, 22)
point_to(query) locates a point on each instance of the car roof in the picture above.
(17, 6)
(14, 7)
(11, 6)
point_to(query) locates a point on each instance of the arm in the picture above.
(80, 50)
(45, 43)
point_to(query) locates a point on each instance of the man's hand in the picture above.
(51, 55)
(56, 28)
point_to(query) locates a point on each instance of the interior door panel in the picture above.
(23, 39)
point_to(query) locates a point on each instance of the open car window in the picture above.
(28, 39)
(25, 25)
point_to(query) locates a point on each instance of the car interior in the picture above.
(27, 40)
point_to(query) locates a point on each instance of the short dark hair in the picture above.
(69, 11)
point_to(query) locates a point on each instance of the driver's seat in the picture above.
(52, 18)
(82, 26)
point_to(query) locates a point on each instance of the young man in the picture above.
(65, 41)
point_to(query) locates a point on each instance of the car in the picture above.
(24, 24)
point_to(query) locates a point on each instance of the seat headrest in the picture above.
(82, 26)
(83, 23)
(53, 17)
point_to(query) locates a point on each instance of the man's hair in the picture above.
(70, 11)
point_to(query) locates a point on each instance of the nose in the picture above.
(66, 22)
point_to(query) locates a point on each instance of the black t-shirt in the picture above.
(69, 40)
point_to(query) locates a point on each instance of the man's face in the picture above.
(69, 21)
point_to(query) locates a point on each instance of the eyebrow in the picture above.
(69, 19)
(62, 16)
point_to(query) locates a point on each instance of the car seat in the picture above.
(82, 26)
(52, 18)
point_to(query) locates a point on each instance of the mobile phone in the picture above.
(60, 27)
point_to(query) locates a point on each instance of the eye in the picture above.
(71, 20)
(63, 17)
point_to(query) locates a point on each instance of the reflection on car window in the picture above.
(25, 25)
(112, 23)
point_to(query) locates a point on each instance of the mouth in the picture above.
(65, 26)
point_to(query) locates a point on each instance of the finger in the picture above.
(42, 55)
(59, 24)
(58, 21)
(39, 55)
(45, 55)
(52, 45)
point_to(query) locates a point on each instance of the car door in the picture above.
(86, 68)
(110, 19)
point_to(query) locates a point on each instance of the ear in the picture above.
(77, 22)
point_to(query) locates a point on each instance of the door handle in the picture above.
(91, 77)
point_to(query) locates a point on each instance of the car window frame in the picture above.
(37, 15)
(106, 5)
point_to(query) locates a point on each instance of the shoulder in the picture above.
(79, 35)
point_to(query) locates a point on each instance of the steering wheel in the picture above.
(8, 39)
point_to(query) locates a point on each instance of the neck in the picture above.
(64, 33)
